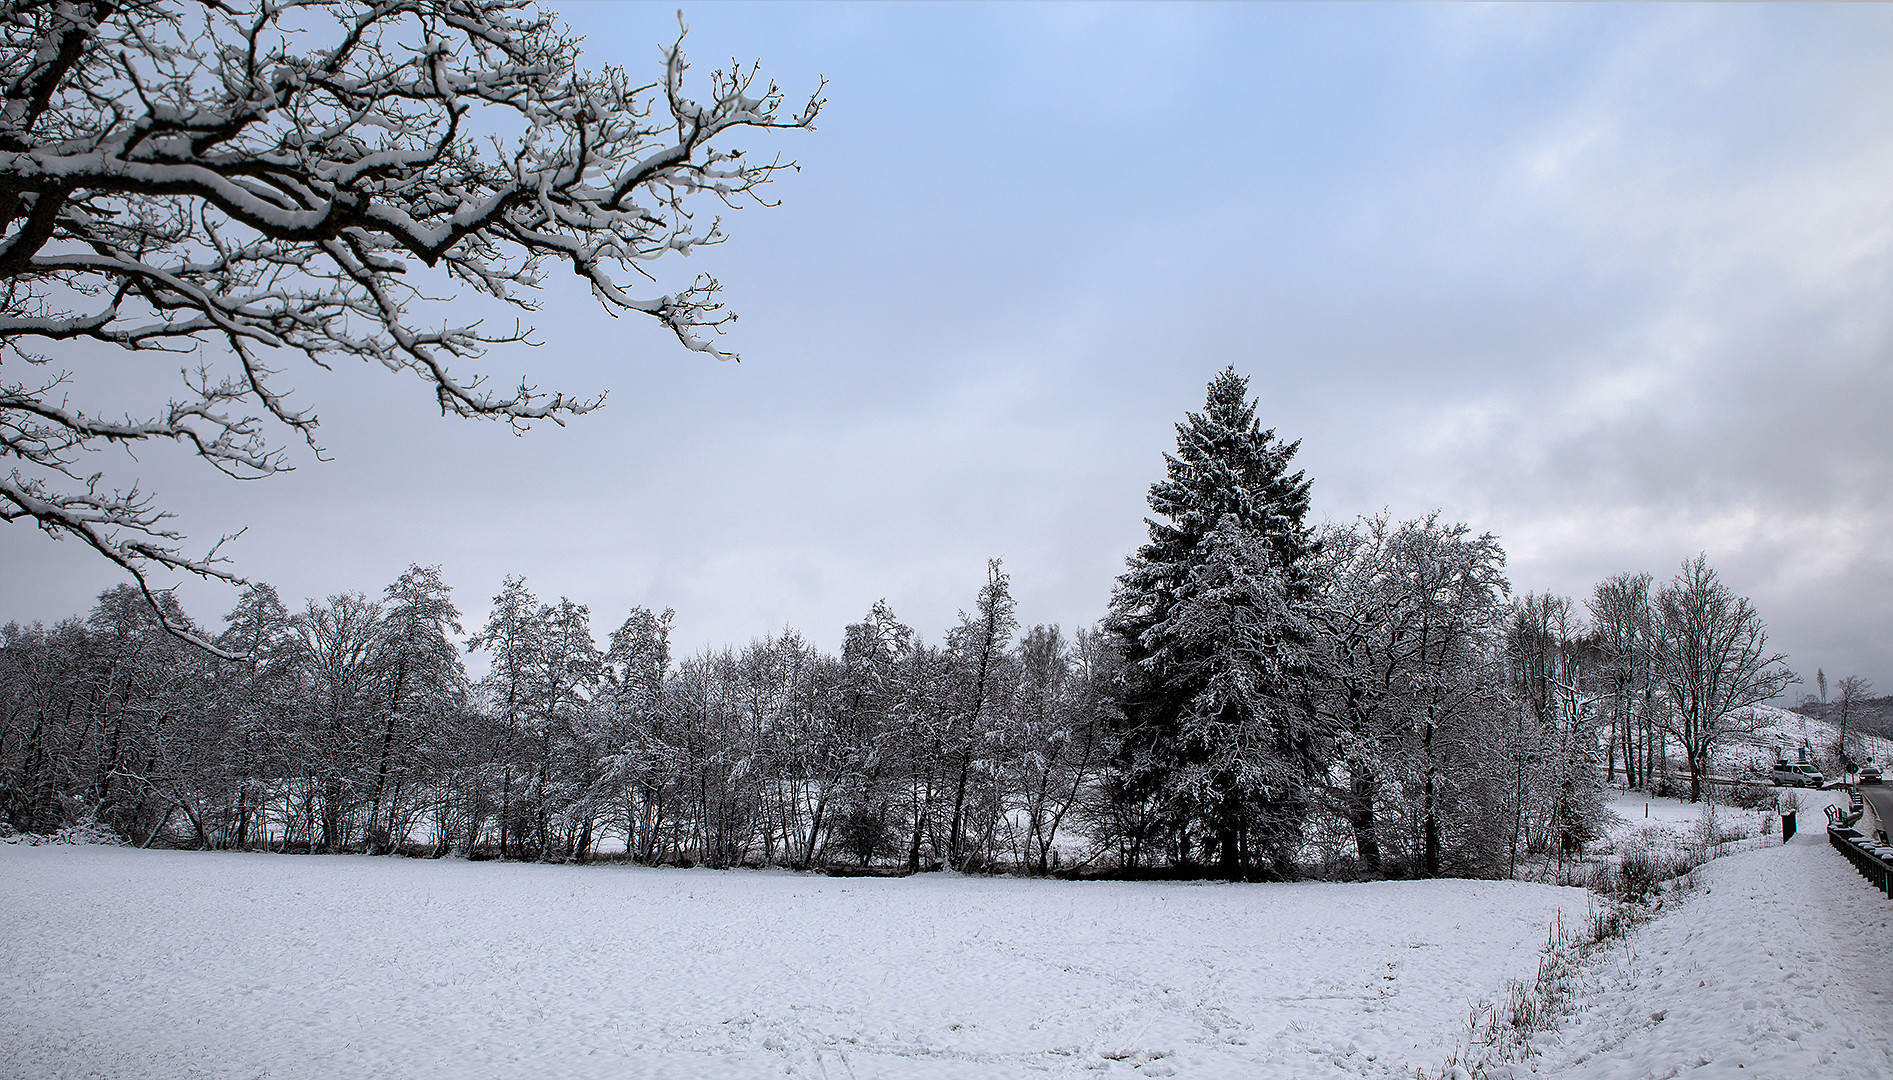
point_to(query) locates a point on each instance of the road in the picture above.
(1879, 800)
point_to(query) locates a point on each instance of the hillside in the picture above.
(1873, 715)
(1783, 731)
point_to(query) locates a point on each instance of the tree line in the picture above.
(1265, 698)
(352, 725)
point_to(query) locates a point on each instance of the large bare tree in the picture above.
(1709, 651)
(308, 179)
(1854, 691)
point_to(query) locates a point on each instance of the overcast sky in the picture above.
(1609, 281)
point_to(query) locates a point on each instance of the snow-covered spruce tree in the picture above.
(1214, 762)
(311, 180)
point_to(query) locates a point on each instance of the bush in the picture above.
(1638, 872)
(83, 832)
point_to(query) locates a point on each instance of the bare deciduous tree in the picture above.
(1710, 654)
(1853, 690)
(1620, 620)
(175, 174)
(1403, 624)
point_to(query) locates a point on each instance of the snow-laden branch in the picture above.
(123, 527)
(295, 178)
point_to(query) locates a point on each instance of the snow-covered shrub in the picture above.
(1639, 870)
(88, 831)
(1637, 873)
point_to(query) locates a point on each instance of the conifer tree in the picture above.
(1208, 618)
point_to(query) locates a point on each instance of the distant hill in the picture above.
(1869, 731)
(1873, 715)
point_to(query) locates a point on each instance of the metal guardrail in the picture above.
(1874, 860)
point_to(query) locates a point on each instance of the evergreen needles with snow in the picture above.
(1209, 619)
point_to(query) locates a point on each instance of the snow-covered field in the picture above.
(1780, 964)
(1637, 811)
(1660, 823)
(126, 964)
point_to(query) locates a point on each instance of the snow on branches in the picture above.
(294, 178)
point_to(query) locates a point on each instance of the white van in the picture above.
(1795, 774)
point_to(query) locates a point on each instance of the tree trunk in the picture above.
(243, 818)
(1361, 817)
(506, 810)
(815, 827)
(954, 855)
(381, 780)
(1429, 804)
(582, 851)
(159, 827)
(921, 812)
(1229, 851)
(1610, 760)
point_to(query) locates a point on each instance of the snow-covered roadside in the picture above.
(126, 964)
(1778, 964)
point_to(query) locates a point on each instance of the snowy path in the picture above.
(1778, 966)
(127, 964)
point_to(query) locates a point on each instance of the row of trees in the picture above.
(352, 725)
(1377, 674)
(299, 180)
(1262, 692)
(1382, 675)
(1683, 664)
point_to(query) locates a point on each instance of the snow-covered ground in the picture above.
(1636, 811)
(1780, 964)
(1658, 823)
(126, 964)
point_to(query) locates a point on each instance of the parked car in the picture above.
(1870, 774)
(1795, 774)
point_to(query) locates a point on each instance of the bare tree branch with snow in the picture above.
(1709, 650)
(308, 178)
